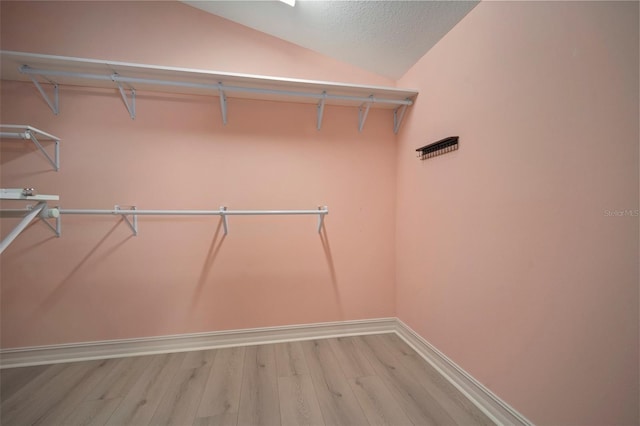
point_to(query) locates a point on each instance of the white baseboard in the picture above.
(499, 411)
(55, 354)
(494, 407)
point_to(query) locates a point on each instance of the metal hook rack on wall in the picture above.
(438, 148)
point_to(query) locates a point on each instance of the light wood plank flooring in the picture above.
(363, 380)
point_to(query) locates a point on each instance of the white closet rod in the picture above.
(223, 212)
(193, 212)
(130, 215)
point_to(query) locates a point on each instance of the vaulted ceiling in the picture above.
(384, 37)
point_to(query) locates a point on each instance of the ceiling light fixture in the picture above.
(289, 2)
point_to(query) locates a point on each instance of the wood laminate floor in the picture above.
(363, 380)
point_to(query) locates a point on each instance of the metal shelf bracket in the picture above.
(223, 215)
(131, 106)
(133, 222)
(397, 118)
(223, 103)
(55, 162)
(320, 108)
(26, 220)
(323, 211)
(55, 104)
(32, 134)
(362, 115)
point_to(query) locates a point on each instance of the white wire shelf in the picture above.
(51, 70)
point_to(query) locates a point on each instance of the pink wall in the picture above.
(179, 275)
(506, 259)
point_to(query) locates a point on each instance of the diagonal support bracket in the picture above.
(223, 215)
(320, 109)
(223, 103)
(55, 161)
(321, 217)
(133, 222)
(53, 104)
(397, 117)
(26, 220)
(363, 111)
(131, 105)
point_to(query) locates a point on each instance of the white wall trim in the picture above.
(494, 407)
(55, 354)
(498, 410)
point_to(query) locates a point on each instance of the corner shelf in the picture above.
(19, 131)
(53, 71)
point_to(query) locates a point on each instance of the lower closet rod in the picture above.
(128, 212)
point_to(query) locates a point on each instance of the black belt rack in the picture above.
(438, 148)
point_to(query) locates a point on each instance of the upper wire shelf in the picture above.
(127, 78)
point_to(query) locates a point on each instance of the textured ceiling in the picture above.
(384, 37)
